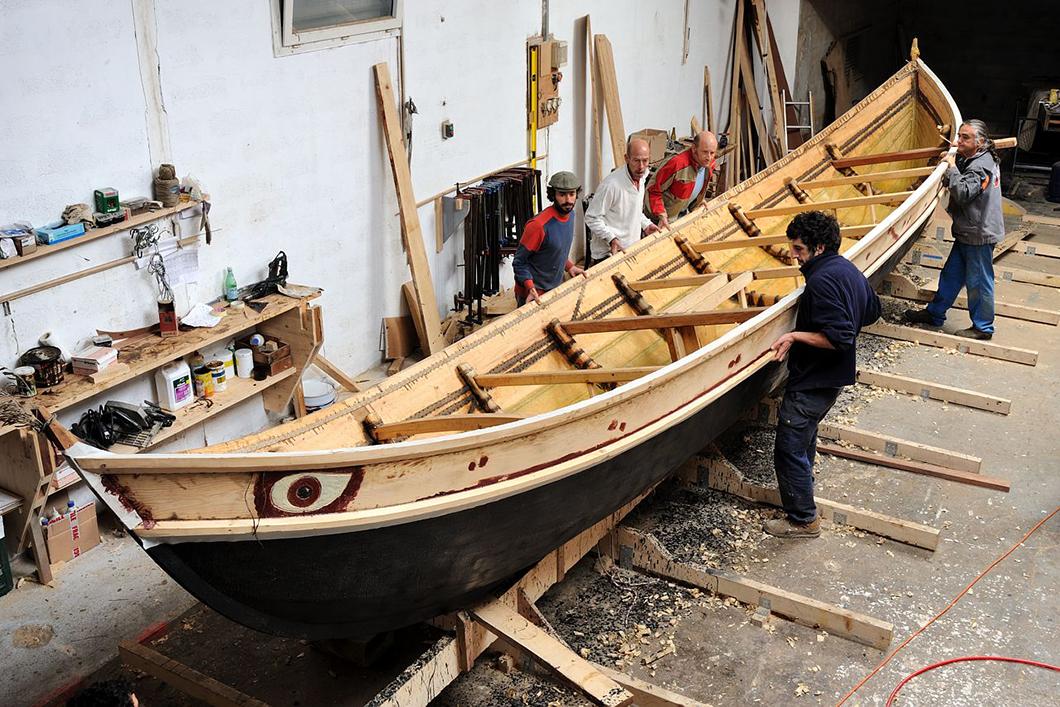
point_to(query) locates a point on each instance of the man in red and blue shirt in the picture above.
(681, 182)
(544, 247)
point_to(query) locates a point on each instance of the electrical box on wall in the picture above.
(545, 57)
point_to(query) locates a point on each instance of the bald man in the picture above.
(614, 216)
(681, 182)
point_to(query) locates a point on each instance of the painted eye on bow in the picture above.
(306, 492)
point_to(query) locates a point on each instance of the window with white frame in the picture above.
(307, 25)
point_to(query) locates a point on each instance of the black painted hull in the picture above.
(362, 583)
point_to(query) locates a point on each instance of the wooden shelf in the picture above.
(237, 390)
(97, 233)
(145, 354)
(8, 502)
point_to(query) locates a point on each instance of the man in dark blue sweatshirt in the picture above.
(837, 302)
(544, 247)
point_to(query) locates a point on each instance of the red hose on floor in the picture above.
(967, 658)
(949, 606)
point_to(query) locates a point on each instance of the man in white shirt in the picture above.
(615, 215)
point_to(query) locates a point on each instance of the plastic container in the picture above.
(203, 382)
(244, 362)
(217, 370)
(173, 383)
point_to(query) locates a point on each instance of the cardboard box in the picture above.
(72, 535)
(657, 140)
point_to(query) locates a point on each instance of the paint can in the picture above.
(244, 362)
(217, 371)
(25, 385)
(203, 382)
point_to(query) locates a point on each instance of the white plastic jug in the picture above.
(173, 382)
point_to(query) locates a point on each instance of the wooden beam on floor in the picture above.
(575, 670)
(645, 553)
(938, 472)
(894, 447)
(647, 694)
(592, 375)
(949, 341)
(896, 285)
(1044, 220)
(182, 678)
(662, 321)
(1009, 241)
(891, 198)
(921, 153)
(870, 177)
(929, 390)
(1029, 277)
(721, 475)
(411, 234)
(1045, 250)
(442, 423)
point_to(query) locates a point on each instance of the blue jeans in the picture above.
(970, 266)
(796, 448)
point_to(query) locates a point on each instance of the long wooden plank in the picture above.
(1010, 240)
(179, 676)
(668, 283)
(647, 694)
(711, 294)
(900, 286)
(776, 273)
(929, 390)
(335, 372)
(736, 243)
(662, 321)
(596, 135)
(735, 128)
(647, 554)
(1046, 250)
(760, 20)
(892, 198)
(1045, 220)
(588, 375)
(411, 234)
(579, 672)
(893, 446)
(754, 105)
(939, 472)
(949, 341)
(920, 153)
(1030, 277)
(605, 66)
(442, 423)
(870, 177)
(723, 476)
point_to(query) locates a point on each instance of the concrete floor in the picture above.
(52, 636)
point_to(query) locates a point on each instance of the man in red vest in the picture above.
(681, 182)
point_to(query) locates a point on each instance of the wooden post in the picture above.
(708, 96)
(596, 137)
(605, 64)
(735, 129)
(411, 235)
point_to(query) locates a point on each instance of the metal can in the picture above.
(203, 382)
(26, 385)
(217, 370)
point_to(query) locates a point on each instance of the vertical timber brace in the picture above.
(697, 261)
(569, 347)
(485, 401)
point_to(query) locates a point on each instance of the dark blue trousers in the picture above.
(796, 448)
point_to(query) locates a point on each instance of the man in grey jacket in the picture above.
(975, 205)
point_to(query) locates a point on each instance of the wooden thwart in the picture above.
(929, 390)
(662, 321)
(441, 423)
(647, 554)
(592, 375)
(921, 153)
(870, 177)
(939, 472)
(550, 652)
(723, 476)
(740, 243)
(181, 677)
(892, 198)
(949, 341)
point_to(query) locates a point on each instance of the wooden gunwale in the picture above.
(288, 461)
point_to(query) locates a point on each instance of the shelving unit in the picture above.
(32, 463)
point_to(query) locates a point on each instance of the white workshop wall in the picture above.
(290, 148)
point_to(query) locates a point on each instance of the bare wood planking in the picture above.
(577, 671)
(929, 390)
(591, 375)
(870, 177)
(892, 446)
(900, 286)
(412, 235)
(662, 321)
(939, 472)
(1045, 250)
(442, 423)
(920, 153)
(892, 198)
(646, 553)
(181, 677)
(721, 475)
(739, 243)
(1009, 241)
(776, 273)
(668, 283)
(949, 341)
(1044, 220)
(648, 694)
(605, 66)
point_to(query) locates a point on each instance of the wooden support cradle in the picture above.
(484, 400)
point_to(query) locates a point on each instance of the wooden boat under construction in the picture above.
(437, 486)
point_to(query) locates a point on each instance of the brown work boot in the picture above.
(785, 528)
(973, 333)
